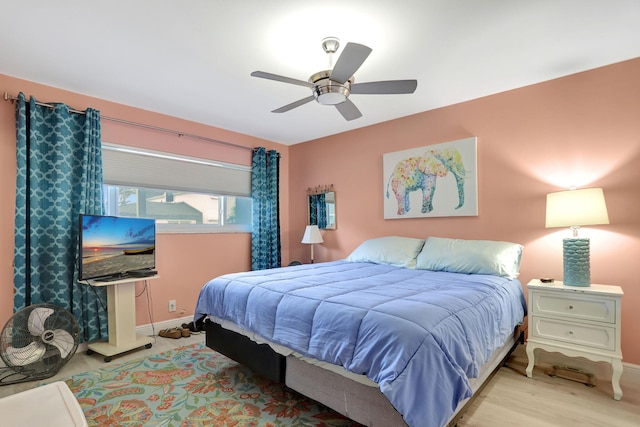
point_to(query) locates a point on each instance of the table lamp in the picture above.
(312, 235)
(574, 208)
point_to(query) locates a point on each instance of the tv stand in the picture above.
(121, 311)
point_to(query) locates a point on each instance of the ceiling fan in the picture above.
(333, 87)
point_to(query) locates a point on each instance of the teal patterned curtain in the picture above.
(265, 183)
(313, 209)
(322, 211)
(318, 210)
(59, 176)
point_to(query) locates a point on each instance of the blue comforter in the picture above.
(419, 334)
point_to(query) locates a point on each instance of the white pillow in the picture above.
(393, 250)
(471, 256)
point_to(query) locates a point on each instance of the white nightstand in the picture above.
(576, 321)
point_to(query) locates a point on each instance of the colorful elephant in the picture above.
(420, 173)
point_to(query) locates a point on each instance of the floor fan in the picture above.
(36, 342)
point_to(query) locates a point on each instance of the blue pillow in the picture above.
(392, 250)
(471, 257)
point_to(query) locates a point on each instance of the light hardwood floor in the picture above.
(510, 398)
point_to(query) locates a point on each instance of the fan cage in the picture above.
(39, 355)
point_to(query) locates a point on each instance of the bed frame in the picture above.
(359, 402)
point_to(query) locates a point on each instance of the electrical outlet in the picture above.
(172, 306)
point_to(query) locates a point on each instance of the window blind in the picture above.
(128, 166)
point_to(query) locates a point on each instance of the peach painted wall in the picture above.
(185, 261)
(581, 130)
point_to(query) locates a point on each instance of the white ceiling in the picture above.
(192, 59)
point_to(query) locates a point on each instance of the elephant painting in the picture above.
(421, 173)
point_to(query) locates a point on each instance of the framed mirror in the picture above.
(322, 208)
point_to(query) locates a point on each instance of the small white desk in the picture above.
(121, 309)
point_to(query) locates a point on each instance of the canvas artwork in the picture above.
(433, 181)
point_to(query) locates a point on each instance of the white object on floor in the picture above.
(52, 405)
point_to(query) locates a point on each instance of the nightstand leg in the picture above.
(530, 356)
(616, 365)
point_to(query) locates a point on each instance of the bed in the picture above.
(402, 332)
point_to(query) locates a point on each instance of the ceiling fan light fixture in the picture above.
(330, 94)
(327, 91)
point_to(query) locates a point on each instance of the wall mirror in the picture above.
(322, 207)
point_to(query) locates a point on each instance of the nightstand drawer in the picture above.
(602, 337)
(599, 310)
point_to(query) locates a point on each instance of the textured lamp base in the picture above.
(576, 262)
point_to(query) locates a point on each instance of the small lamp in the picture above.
(574, 208)
(312, 235)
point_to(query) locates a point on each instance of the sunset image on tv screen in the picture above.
(116, 245)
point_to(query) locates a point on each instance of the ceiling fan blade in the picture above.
(276, 77)
(349, 110)
(385, 87)
(350, 60)
(294, 104)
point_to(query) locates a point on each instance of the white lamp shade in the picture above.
(312, 235)
(576, 207)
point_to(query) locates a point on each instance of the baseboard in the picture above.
(630, 374)
(151, 329)
(600, 370)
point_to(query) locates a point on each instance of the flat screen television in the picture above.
(115, 248)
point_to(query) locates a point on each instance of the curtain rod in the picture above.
(11, 98)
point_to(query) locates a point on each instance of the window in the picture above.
(183, 194)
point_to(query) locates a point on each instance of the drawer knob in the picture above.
(570, 307)
(570, 332)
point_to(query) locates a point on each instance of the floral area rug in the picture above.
(193, 386)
